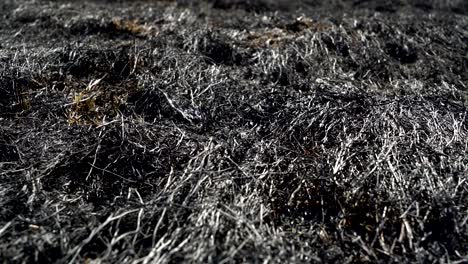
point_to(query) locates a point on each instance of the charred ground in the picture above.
(233, 131)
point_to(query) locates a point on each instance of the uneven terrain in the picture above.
(233, 131)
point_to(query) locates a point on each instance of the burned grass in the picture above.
(233, 131)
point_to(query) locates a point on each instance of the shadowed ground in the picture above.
(233, 131)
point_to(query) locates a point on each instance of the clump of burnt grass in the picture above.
(14, 94)
(233, 131)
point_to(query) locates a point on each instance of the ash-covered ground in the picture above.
(233, 131)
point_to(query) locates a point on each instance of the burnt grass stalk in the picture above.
(233, 131)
